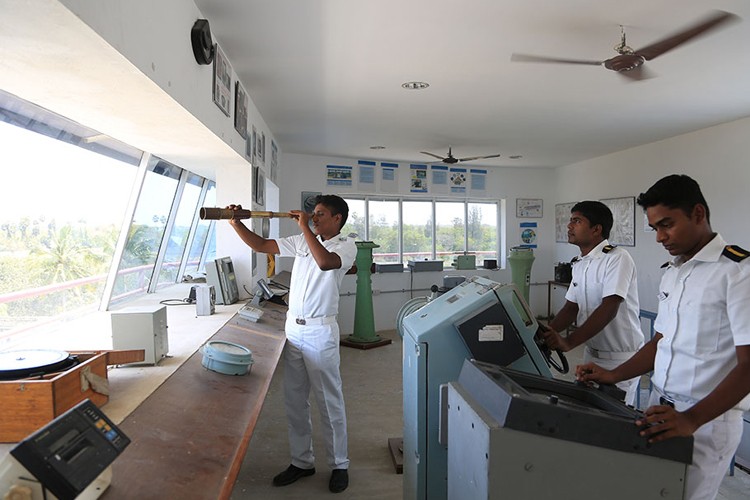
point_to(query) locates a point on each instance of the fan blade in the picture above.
(433, 155)
(478, 157)
(658, 48)
(637, 74)
(543, 59)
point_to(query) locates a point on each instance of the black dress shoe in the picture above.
(291, 474)
(339, 480)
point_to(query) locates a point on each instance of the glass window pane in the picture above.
(180, 230)
(449, 230)
(482, 231)
(146, 231)
(57, 235)
(202, 233)
(355, 223)
(417, 230)
(383, 223)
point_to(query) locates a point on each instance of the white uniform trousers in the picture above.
(714, 445)
(630, 386)
(311, 361)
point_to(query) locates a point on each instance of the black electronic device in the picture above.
(70, 452)
(563, 272)
(203, 46)
(264, 292)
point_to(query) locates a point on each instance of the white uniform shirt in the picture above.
(598, 275)
(704, 312)
(314, 293)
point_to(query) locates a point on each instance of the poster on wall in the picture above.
(528, 234)
(240, 110)
(339, 176)
(562, 217)
(458, 180)
(439, 179)
(366, 176)
(418, 178)
(623, 215)
(222, 81)
(388, 177)
(478, 180)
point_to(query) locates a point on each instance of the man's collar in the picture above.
(710, 252)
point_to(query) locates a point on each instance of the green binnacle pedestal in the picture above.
(364, 336)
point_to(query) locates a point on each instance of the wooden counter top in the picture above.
(189, 437)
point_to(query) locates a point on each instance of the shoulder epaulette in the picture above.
(666, 264)
(574, 260)
(608, 248)
(735, 253)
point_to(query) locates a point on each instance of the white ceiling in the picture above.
(326, 75)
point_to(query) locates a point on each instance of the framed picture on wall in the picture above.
(259, 186)
(308, 201)
(222, 81)
(529, 208)
(240, 110)
(623, 214)
(562, 217)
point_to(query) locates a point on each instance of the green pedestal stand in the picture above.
(364, 336)
(521, 259)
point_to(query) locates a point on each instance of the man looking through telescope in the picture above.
(311, 354)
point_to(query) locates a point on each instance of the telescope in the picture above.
(211, 213)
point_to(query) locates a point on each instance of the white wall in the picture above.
(716, 157)
(307, 173)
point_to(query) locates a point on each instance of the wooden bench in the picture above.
(190, 436)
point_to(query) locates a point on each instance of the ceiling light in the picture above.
(415, 85)
(377, 147)
(515, 157)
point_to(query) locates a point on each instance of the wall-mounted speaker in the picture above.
(203, 46)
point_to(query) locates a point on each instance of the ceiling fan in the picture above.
(450, 159)
(629, 62)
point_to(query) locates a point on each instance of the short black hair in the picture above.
(675, 191)
(336, 204)
(597, 213)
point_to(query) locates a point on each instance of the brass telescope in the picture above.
(210, 213)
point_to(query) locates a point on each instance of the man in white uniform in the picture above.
(602, 297)
(700, 354)
(311, 355)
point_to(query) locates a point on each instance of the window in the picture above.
(177, 241)
(450, 230)
(417, 230)
(356, 223)
(196, 261)
(58, 235)
(427, 229)
(146, 230)
(383, 230)
(481, 231)
(70, 220)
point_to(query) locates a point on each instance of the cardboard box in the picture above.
(28, 404)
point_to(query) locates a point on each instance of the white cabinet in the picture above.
(141, 328)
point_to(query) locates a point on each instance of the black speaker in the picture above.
(203, 46)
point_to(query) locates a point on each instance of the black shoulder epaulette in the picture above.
(735, 253)
(666, 264)
(608, 248)
(574, 260)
